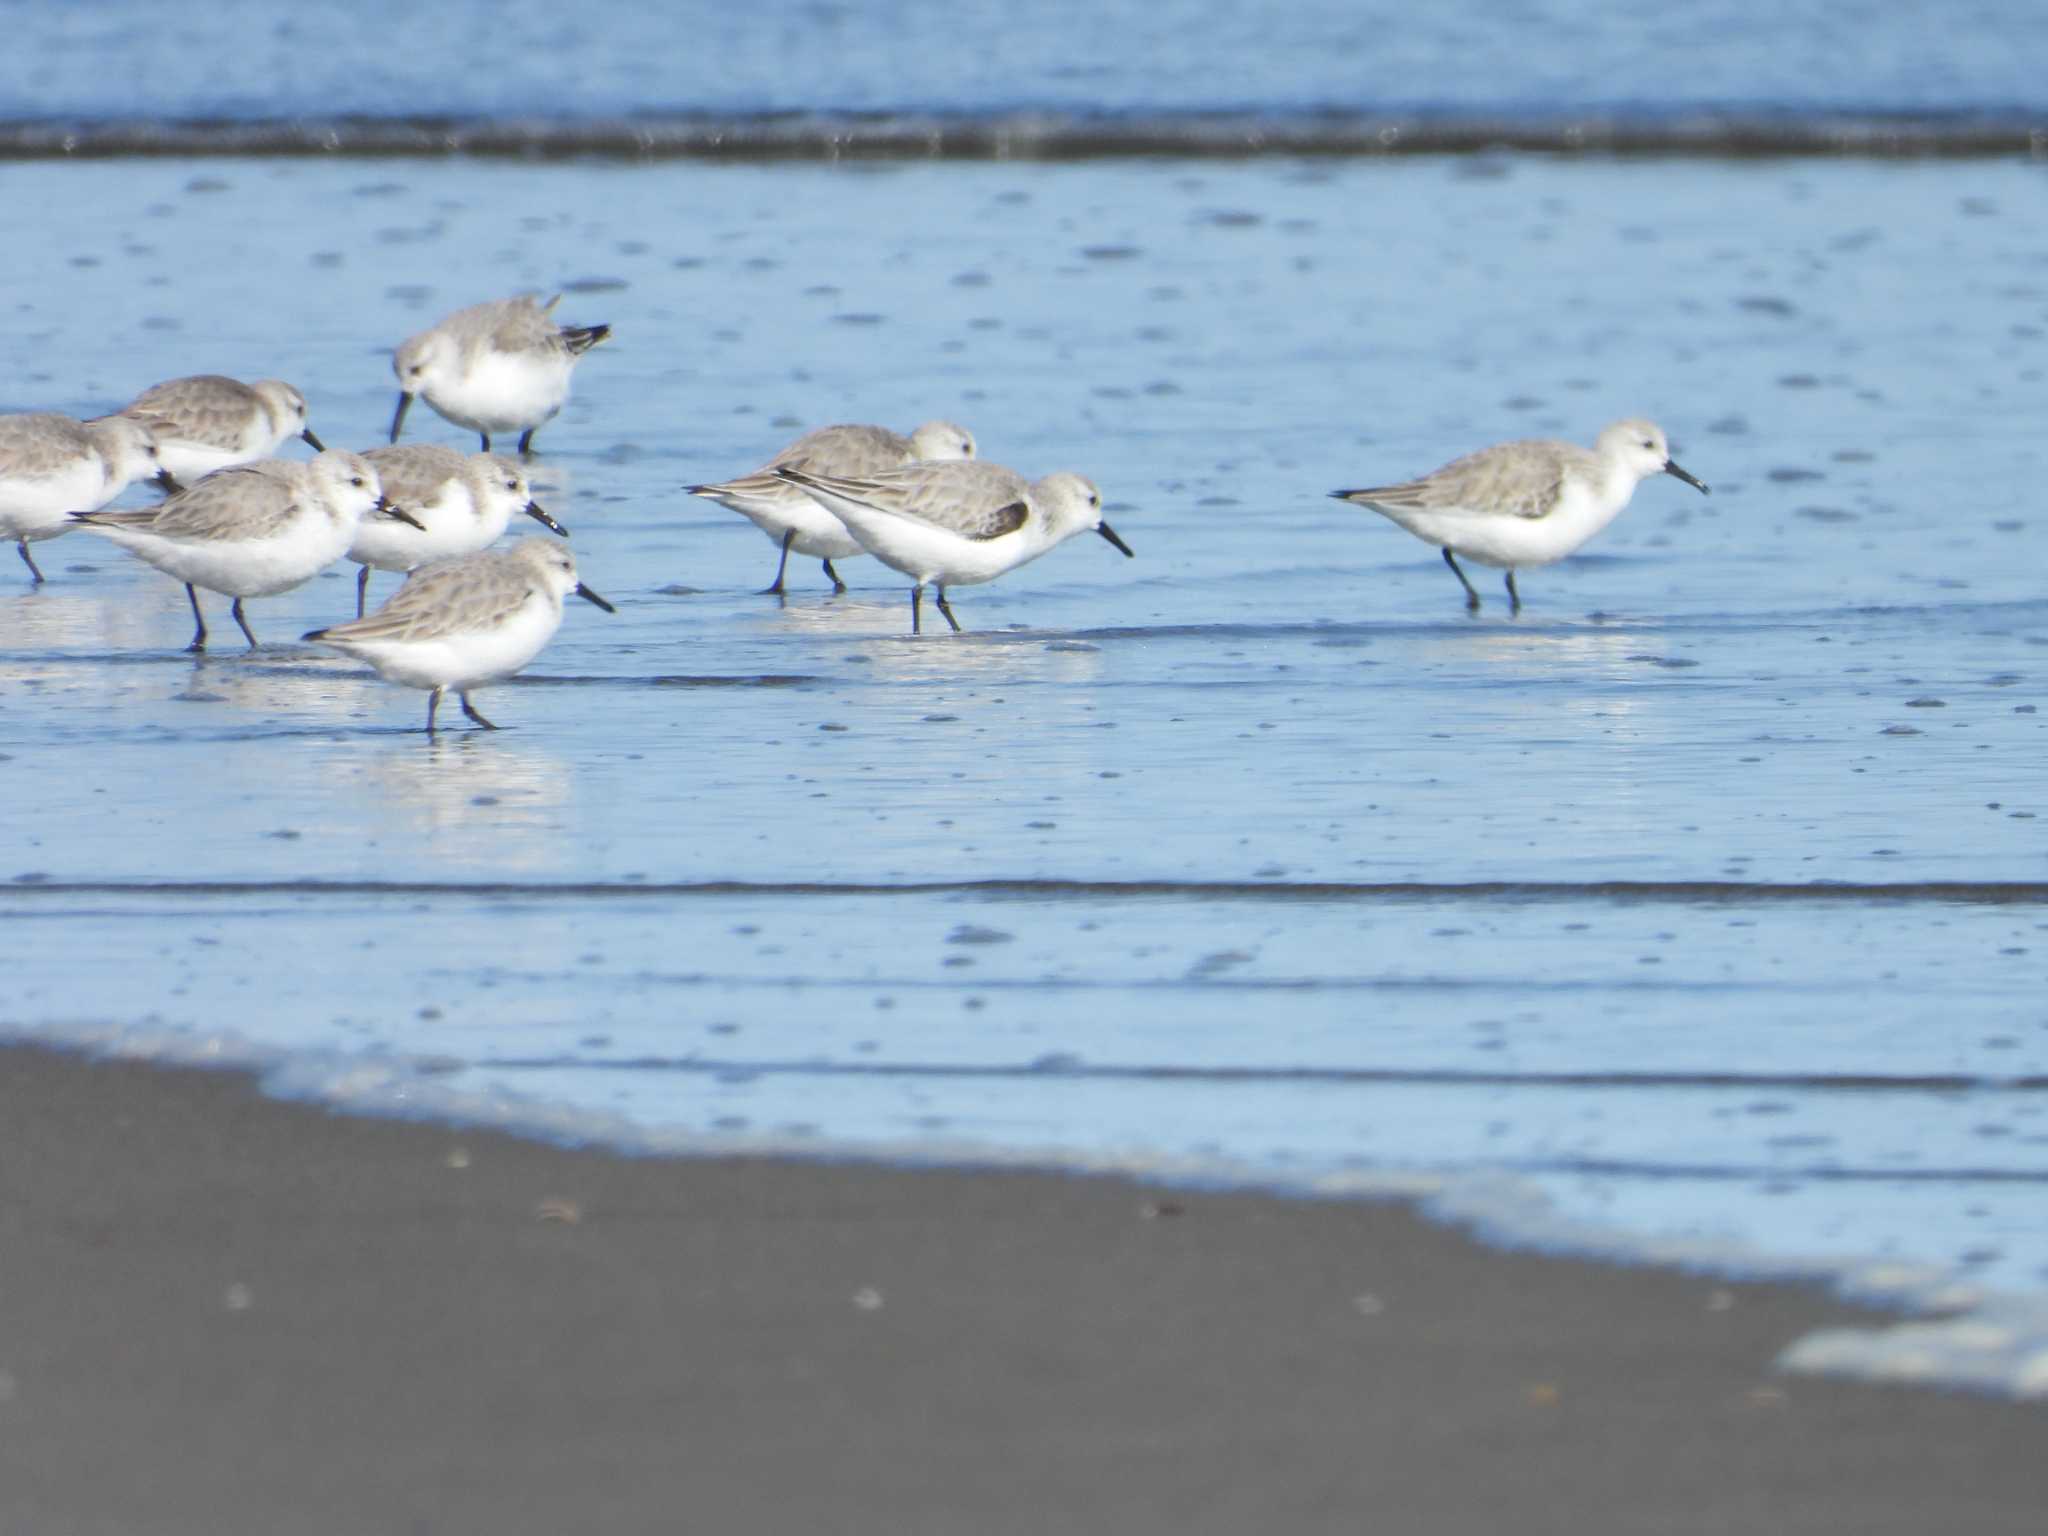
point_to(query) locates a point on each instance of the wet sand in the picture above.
(223, 1313)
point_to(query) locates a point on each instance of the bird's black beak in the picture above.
(392, 509)
(168, 481)
(1109, 533)
(1671, 468)
(539, 514)
(317, 446)
(398, 416)
(591, 597)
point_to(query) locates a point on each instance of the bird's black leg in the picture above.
(487, 441)
(838, 586)
(469, 709)
(774, 588)
(1471, 596)
(526, 442)
(35, 572)
(916, 600)
(947, 609)
(362, 589)
(1514, 597)
(433, 703)
(198, 618)
(236, 609)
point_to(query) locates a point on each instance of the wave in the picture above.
(1999, 893)
(1053, 136)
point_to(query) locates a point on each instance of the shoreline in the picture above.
(228, 1312)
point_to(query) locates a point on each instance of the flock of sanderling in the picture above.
(243, 524)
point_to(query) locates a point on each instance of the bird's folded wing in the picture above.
(1510, 480)
(986, 506)
(240, 503)
(451, 597)
(851, 449)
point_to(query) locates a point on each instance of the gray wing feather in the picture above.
(413, 473)
(207, 408)
(1521, 479)
(517, 325)
(972, 498)
(444, 598)
(762, 485)
(847, 451)
(852, 450)
(1003, 520)
(246, 502)
(40, 443)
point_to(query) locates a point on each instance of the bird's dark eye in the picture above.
(356, 480)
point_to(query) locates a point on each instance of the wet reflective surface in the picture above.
(719, 880)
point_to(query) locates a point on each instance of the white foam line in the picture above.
(1955, 1335)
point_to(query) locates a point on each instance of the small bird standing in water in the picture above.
(949, 525)
(251, 531)
(466, 622)
(502, 366)
(208, 421)
(52, 466)
(462, 501)
(795, 519)
(1525, 503)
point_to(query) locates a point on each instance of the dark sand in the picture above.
(220, 1314)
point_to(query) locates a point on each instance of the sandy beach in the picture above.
(223, 1313)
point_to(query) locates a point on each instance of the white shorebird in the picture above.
(52, 466)
(463, 503)
(208, 421)
(951, 525)
(463, 623)
(1525, 503)
(251, 531)
(794, 519)
(502, 366)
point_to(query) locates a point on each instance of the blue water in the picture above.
(515, 59)
(1694, 915)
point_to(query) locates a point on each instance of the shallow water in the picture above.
(1300, 873)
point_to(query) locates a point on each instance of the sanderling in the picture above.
(792, 518)
(957, 524)
(495, 367)
(1524, 503)
(251, 531)
(52, 466)
(210, 422)
(463, 623)
(463, 502)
